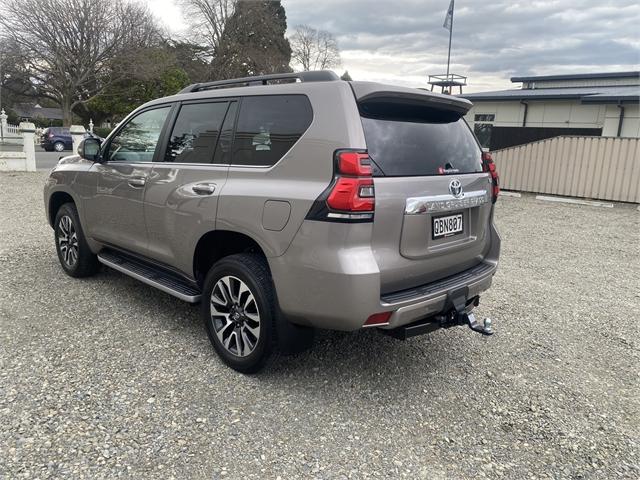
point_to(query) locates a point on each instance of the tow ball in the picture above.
(460, 316)
(484, 327)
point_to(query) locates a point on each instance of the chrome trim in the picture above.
(148, 281)
(445, 203)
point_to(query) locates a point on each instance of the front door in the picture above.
(116, 212)
(181, 197)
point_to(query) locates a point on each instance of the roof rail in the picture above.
(313, 76)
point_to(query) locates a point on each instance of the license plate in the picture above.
(447, 226)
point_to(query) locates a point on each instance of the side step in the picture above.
(151, 275)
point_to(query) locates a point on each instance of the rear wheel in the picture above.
(58, 146)
(239, 311)
(76, 258)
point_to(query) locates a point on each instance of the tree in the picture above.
(253, 41)
(314, 49)
(158, 73)
(75, 49)
(15, 85)
(346, 77)
(208, 19)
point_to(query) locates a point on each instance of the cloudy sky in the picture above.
(403, 41)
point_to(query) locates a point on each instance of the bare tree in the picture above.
(74, 49)
(208, 19)
(314, 49)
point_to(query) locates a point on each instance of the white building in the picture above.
(601, 104)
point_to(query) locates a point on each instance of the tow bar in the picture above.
(459, 314)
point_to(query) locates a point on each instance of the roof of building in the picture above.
(577, 76)
(26, 110)
(623, 93)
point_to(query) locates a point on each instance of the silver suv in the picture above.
(285, 203)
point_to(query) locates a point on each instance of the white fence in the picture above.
(605, 168)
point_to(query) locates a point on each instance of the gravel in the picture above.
(106, 377)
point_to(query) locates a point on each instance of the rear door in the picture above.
(433, 200)
(181, 199)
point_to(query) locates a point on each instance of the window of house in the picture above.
(484, 117)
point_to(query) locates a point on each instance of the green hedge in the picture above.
(102, 131)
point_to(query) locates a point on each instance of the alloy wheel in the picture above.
(58, 147)
(235, 316)
(68, 241)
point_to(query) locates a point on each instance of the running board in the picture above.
(151, 275)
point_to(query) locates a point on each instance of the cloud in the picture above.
(403, 41)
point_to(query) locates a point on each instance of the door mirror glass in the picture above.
(89, 149)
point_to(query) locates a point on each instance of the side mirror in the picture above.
(89, 149)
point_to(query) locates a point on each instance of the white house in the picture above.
(600, 104)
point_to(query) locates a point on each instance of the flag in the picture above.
(448, 20)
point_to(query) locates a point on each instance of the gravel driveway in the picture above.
(106, 377)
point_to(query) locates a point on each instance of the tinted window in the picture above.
(413, 140)
(195, 133)
(268, 127)
(138, 139)
(223, 152)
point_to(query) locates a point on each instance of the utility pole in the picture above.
(450, 19)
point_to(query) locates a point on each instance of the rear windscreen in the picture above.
(413, 140)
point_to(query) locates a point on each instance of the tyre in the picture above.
(76, 259)
(239, 311)
(58, 147)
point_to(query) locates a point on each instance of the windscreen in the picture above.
(415, 140)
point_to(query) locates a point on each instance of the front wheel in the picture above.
(239, 310)
(76, 258)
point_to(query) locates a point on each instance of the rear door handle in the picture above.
(204, 188)
(137, 181)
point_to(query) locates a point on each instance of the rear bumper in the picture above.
(336, 288)
(433, 298)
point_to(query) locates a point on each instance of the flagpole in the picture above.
(450, 36)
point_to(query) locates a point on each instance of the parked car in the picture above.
(286, 207)
(56, 139)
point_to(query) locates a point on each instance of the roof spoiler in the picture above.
(375, 92)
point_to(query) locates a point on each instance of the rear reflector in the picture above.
(378, 319)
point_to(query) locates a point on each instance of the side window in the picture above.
(195, 133)
(268, 126)
(138, 139)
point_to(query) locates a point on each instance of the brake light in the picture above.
(354, 163)
(490, 167)
(51, 135)
(351, 196)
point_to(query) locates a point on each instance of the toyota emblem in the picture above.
(455, 187)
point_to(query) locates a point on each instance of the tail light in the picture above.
(351, 195)
(489, 166)
(51, 135)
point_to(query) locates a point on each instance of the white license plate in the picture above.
(447, 226)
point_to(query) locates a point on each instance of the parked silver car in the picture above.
(285, 203)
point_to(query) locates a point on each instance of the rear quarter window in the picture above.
(415, 140)
(267, 128)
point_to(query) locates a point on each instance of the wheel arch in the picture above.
(216, 244)
(56, 200)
